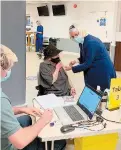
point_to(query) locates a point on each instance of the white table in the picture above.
(54, 133)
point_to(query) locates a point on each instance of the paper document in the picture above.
(51, 101)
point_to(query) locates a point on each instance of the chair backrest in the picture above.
(40, 88)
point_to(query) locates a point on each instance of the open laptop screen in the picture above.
(89, 101)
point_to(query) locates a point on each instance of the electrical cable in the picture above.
(99, 120)
(104, 126)
(87, 126)
(108, 119)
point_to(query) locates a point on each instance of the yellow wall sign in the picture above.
(115, 94)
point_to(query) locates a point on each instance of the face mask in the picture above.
(55, 60)
(7, 76)
(79, 39)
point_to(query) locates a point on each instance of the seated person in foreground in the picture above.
(52, 77)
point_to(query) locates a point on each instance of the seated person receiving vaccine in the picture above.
(52, 77)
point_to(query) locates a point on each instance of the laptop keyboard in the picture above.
(73, 113)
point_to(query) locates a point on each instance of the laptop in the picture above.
(82, 111)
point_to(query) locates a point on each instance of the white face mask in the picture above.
(79, 39)
(7, 76)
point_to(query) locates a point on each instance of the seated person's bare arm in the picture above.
(55, 74)
(46, 73)
(24, 136)
(27, 110)
(20, 137)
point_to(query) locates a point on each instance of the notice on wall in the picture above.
(115, 94)
(103, 22)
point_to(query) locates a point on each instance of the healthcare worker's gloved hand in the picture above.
(68, 68)
(72, 63)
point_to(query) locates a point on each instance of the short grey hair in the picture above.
(72, 28)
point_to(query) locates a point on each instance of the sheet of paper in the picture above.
(69, 100)
(49, 101)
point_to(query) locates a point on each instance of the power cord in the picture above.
(104, 126)
(109, 120)
(89, 124)
(99, 115)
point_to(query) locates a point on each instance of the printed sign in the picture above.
(103, 22)
(115, 94)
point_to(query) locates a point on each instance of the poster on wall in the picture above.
(103, 22)
(28, 23)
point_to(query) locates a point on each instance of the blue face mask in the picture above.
(7, 76)
(79, 39)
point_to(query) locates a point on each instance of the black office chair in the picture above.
(39, 87)
(40, 90)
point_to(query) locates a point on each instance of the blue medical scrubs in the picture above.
(39, 38)
(96, 63)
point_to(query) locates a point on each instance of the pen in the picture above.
(52, 123)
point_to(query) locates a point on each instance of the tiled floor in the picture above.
(32, 67)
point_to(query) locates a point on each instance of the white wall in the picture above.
(118, 33)
(86, 15)
(53, 26)
(118, 27)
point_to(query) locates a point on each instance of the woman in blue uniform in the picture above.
(39, 37)
(94, 60)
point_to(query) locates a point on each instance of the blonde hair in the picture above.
(6, 57)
